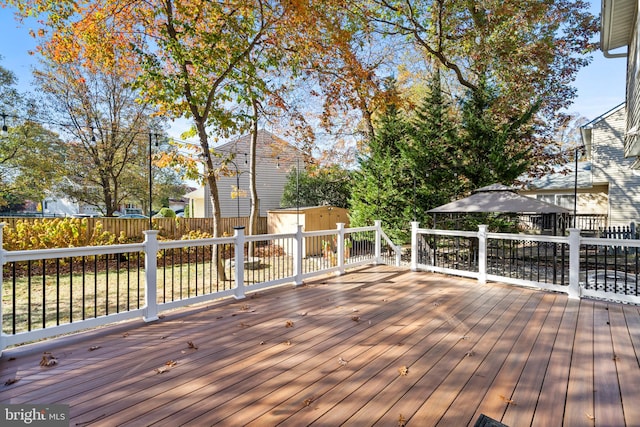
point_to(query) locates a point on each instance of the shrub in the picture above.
(166, 213)
(56, 233)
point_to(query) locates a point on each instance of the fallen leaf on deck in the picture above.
(403, 371)
(11, 381)
(308, 402)
(126, 334)
(244, 325)
(341, 361)
(48, 360)
(401, 421)
(192, 345)
(289, 324)
(94, 347)
(355, 310)
(469, 353)
(508, 401)
(11, 358)
(161, 316)
(591, 417)
(167, 366)
(287, 342)
(261, 342)
(302, 314)
(355, 318)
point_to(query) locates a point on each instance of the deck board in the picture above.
(579, 408)
(520, 356)
(605, 376)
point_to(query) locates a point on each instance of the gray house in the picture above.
(606, 183)
(275, 158)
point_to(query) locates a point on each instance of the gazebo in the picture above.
(498, 198)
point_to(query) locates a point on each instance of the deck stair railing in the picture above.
(57, 291)
(576, 265)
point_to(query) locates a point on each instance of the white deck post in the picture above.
(414, 245)
(378, 244)
(298, 250)
(340, 249)
(151, 275)
(238, 292)
(482, 254)
(574, 263)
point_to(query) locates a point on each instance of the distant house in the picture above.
(275, 158)
(619, 30)
(606, 184)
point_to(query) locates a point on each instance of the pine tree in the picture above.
(433, 153)
(493, 152)
(383, 185)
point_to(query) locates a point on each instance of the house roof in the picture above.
(498, 198)
(564, 178)
(241, 144)
(616, 25)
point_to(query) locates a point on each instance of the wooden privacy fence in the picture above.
(170, 228)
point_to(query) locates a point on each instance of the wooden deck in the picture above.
(378, 346)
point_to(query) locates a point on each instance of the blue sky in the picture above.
(601, 85)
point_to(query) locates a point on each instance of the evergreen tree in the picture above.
(433, 154)
(383, 185)
(317, 186)
(492, 151)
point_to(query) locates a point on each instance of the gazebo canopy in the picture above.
(499, 198)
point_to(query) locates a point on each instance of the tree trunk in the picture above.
(255, 206)
(210, 179)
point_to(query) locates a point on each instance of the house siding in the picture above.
(632, 140)
(275, 158)
(612, 182)
(609, 166)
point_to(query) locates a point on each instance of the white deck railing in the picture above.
(578, 266)
(42, 289)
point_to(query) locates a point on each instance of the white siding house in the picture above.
(606, 182)
(275, 158)
(619, 27)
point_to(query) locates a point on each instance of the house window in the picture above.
(566, 201)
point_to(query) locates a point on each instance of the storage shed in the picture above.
(312, 218)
